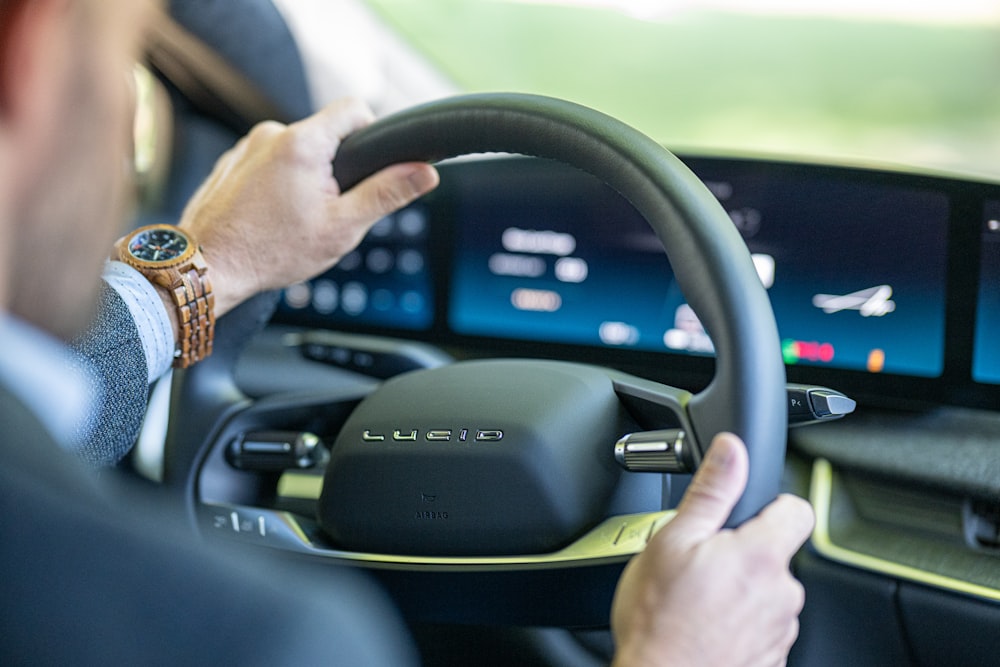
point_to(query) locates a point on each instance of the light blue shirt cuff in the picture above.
(148, 312)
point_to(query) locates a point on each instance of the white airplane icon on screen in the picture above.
(871, 302)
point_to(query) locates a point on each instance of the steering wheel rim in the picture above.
(710, 260)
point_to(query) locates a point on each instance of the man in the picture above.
(92, 574)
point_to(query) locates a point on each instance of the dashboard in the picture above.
(885, 286)
(883, 283)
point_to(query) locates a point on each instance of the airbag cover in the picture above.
(477, 458)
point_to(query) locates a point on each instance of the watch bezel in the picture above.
(138, 262)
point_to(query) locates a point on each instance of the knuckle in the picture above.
(784, 642)
(284, 142)
(793, 634)
(265, 129)
(800, 511)
(356, 105)
(799, 599)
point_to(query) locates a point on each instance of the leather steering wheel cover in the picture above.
(706, 252)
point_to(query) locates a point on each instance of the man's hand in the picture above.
(702, 596)
(271, 213)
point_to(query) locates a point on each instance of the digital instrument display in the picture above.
(385, 282)
(855, 269)
(854, 262)
(986, 354)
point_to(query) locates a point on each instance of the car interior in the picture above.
(492, 403)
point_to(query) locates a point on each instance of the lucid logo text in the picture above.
(434, 435)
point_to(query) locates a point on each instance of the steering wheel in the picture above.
(500, 472)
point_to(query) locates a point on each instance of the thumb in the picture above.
(714, 491)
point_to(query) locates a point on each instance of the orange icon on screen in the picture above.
(876, 361)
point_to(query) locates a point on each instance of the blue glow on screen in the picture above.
(385, 282)
(986, 354)
(855, 270)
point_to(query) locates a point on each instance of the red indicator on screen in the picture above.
(795, 351)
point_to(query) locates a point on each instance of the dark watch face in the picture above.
(158, 245)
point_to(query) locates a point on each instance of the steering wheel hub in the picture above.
(477, 458)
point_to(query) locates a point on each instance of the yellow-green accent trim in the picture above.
(821, 497)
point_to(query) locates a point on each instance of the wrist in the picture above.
(227, 289)
(172, 262)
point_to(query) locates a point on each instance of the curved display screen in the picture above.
(385, 282)
(856, 270)
(856, 263)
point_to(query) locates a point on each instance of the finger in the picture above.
(336, 120)
(386, 191)
(713, 492)
(785, 643)
(784, 525)
(778, 634)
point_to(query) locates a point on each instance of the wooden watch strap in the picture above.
(195, 316)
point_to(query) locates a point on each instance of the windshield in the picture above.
(892, 81)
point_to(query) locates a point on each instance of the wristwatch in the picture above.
(170, 258)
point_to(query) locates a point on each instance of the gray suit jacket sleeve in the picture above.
(97, 574)
(113, 358)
